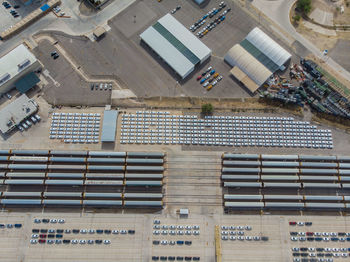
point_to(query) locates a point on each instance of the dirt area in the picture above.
(334, 7)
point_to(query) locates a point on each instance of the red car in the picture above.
(42, 236)
(199, 77)
(309, 233)
(42, 241)
(292, 223)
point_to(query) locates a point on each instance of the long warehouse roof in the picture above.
(175, 44)
(109, 125)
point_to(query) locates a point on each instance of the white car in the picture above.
(53, 221)
(180, 227)
(156, 222)
(164, 226)
(106, 242)
(224, 237)
(83, 231)
(164, 242)
(196, 232)
(210, 67)
(82, 242)
(300, 223)
(61, 221)
(164, 232)
(224, 232)
(232, 238)
(213, 84)
(294, 238)
(115, 232)
(156, 232)
(206, 84)
(91, 231)
(295, 249)
(74, 241)
(180, 232)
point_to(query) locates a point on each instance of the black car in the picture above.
(2, 225)
(296, 254)
(107, 231)
(99, 231)
(304, 254)
(196, 258)
(44, 220)
(308, 223)
(339, 233)
(334, 239)
(59, 235)
(35, 230)
(13, 12)
(293, 233)
(131, 232)
(155, 258)
(319, 249)
(16, 15)
(179, 258)
(75, 231)
(43, 230)
(188, 243)
(264, 238)
(66, 241)
(303, 249)
(310, 238)
(18, 225)
(171, 258)
(228, 9)
(320, 254)
(156, 242)
(16, 6)
(50, 236)
(163, 258)
(188, 258)
(98, 241)
(56, 56)
(59, 230)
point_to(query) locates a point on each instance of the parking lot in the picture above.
(63, 79)
(16, 245)
(7, 20)
(137, 68)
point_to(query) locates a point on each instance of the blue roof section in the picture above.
(27, 82)
(109, 126)
(44, 7)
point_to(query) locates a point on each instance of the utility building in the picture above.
(17, 64)
(256, 58)
(176, 45)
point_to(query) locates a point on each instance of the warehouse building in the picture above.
(17, 70)
(255, 59)
(177, 46)
(14, 113)
(109, 127)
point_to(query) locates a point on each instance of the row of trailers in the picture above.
(86, 199)
(293, 182)
(84, 178)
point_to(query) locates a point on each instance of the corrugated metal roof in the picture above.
(284, 205)
(182, 34)
(245, 197)
(240, 156)
(103, 202)
(20, 201)
(283, 197)
(238, 56)
(268, 46)
(143, 203)
(173, 57)
(109, 126)
(244, 204)
(143, 195)
(146, 154)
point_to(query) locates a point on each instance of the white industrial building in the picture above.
(176, 45)
(256, 58)
(15, 112)
(14, 65)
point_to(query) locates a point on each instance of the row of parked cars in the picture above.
(210, 14)
(84, 231)
(172, 242)
(3, 226)
(173, 258)
(13, 12)
(296, 259)
(209, 78)
(101, 86)
(300, 223)
(27, 123)
(68, 241)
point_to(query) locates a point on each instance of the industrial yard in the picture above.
(169, 130)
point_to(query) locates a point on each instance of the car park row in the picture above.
(13, 12)
(212, 24)
(147, 127)
(210, 75)
(75, 127)
(27, 123)
(101, 86)
(173, 258)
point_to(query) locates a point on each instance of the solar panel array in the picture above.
(89, 178)
(76, 127)
(157, 127)
(286, 181)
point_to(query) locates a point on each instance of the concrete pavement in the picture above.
(278, 12)
(77, 24)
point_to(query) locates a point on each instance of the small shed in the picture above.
(99, 31)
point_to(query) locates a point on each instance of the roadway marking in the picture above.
(47, 74)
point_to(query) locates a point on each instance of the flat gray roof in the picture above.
(15, 112)
(109, 125)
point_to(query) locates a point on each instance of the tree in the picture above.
(207, 109)
(304, 6)
(296, 18)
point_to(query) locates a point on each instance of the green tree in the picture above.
(207, 109)
(304, 6)
(296, 18)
